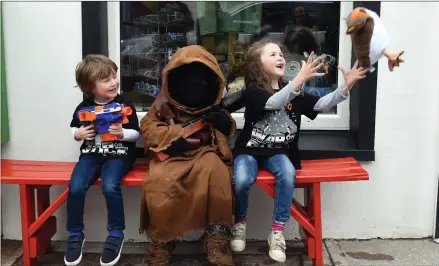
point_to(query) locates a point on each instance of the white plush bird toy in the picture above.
(370, 40)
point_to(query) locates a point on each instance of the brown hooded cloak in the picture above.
(193, 190)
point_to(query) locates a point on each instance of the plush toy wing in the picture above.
(370, 39)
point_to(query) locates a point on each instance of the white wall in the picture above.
(399, 199)
(43, 46)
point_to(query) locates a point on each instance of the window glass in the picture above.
(151, 32)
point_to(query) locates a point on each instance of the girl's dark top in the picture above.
(270, 132)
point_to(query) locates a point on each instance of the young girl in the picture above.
(271, 132)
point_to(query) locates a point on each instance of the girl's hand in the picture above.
(308, 70)
(352, 76)
(116, 130)
(85, 133)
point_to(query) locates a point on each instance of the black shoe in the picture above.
(112, 250)
(73, 253)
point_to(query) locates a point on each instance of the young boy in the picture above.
(96, 76)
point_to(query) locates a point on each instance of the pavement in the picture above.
(384, 252)
(401, 252)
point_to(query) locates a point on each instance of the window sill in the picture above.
(331, 144)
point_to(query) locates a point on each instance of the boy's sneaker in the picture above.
(238, 237)
(74, 245)
(276, 241)
(112, 250)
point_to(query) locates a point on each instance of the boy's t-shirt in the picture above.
(109, 148)
(270, 132)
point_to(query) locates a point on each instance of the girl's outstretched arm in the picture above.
(282, 97)
(330, 100)
(340, 94)
(307, 71)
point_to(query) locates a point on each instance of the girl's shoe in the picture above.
(238, 237)
(276, 241)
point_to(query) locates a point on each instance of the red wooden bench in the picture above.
(39, 224)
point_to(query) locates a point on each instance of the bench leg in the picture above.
(309, 219)
(43, 202)
(27, 205)
(316, 213)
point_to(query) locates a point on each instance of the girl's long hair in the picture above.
(255, 75)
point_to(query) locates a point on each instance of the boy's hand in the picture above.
(117, 130)
(352, 76)
(85, 133)
(308, 70)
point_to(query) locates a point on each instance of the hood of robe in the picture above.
(192, 81)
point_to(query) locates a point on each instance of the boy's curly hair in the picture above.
(92, 68)
(254, 71)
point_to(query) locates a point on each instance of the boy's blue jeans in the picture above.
(85, 173)
(245, 174)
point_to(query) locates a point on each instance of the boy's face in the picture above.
(106, 88)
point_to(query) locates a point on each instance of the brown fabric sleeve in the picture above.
(222, 142)
(232, 127)
(158, 135)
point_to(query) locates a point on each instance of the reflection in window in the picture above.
(151, 32)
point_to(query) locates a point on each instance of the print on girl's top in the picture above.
(268, 132)
(277, 129)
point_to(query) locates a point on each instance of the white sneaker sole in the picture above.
(111, 263)
(76, 262)
(237, 245)
(276, 255)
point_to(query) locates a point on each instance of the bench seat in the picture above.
(58, 173)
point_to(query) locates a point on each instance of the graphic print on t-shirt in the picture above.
(277, 129)
(104, 148)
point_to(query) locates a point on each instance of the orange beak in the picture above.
(357, 19)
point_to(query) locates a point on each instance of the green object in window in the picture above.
(4, 98)
(229, 16)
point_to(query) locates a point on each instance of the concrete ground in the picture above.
(384, 252)
(336, 253)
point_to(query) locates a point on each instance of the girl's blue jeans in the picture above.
(245, 174)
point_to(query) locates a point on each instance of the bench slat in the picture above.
(58, 173)
(66, 171)
(50, 165)
(305, 163)
(328, 161)
(52, 168)
(69, 168)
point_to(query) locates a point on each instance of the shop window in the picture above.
(143, 36)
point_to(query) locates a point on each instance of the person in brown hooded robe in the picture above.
(190, 190)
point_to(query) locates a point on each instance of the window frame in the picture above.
(358, 141)
(337, 121)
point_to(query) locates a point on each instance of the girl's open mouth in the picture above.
(280, 66)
